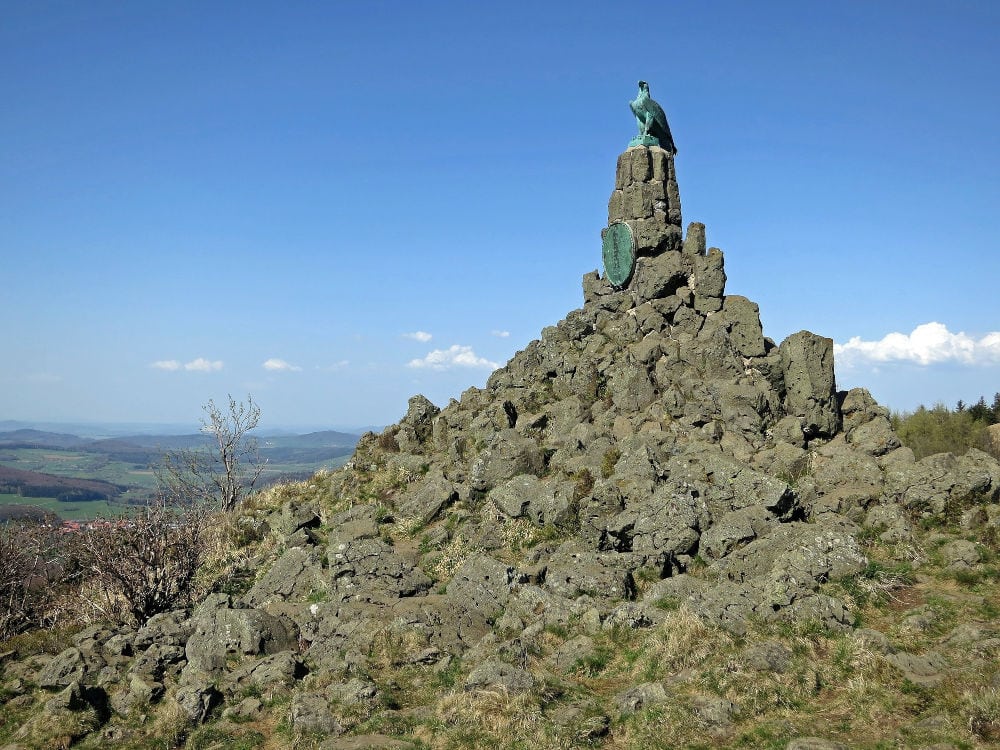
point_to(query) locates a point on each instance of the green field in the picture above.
(129, 464)
(78, 464)
(83, 465)
(67, 511)
(62, 463)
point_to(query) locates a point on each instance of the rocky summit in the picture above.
(654, 527)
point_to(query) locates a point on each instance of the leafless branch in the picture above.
(225, 474)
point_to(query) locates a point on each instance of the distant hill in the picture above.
(26, 438)
(159, 443)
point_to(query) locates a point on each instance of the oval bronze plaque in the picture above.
(619, 254)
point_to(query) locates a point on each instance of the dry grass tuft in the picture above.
(394, 646)
(59, 729)
(492, 718)
(684, 640)
(983, 711)
(442, 565)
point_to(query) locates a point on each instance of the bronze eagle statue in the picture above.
(651, 118)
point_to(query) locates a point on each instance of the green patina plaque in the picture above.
(619, 253)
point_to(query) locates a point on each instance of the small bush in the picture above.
(876, 583)
(386, 441)
(611, 456)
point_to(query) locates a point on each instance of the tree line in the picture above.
(943, 430)
(66, 489)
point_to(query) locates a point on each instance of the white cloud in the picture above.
(166, 364)
(929, 343)
(421, 336)
(501, 334)
(279, 365)
(453, 356)
(335, 367)
(203, 365)
(195, 365)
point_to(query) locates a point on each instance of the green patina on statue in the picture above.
(653, 127)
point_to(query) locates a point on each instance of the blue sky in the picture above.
(336, 205)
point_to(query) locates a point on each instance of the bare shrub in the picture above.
(142, 565)
(32, 567)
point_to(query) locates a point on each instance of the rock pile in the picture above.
(652, 449)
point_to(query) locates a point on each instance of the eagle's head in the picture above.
(643, 86)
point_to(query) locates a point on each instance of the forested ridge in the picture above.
(940, 429)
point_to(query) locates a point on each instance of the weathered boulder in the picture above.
(64, 669)
(281, 669)
(713, 711)
(694, 239)
(935, 482)
(352, 692)
(709, 281)
(428, 499)
(807, 365)
(891, 522)
(769, 656)
(371, 570)
(482, 585)
(670, 520)
(164, 629)
(296, 574)
(641, 696)
(196, 697)
(357, 522)
(660, 275)
(143, 692)
(745, 330)
(875, 437)
(508, 454)
(846, 481)
(857, 407)
(447, 622)
(542, 502)
(734, 529)
(311, 713)
(960, 554)
(796, 557)
(572, 653)
(158, 661)
(416, 428)
(929, 668)
(728, 485)
(220, 631)
(606, 576)
(294, 516)
(69, 699)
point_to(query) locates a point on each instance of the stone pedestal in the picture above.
(647, 199)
